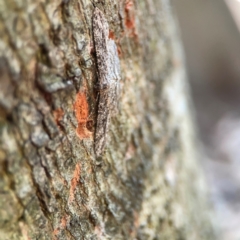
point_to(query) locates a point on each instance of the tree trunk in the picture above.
(147, 183)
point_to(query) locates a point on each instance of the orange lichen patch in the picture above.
(119, 50)
(135, 225)
(130, 152)
(130, 22)
(56, 232)
(82, 114)
(82, 131)
(63, 225)
(111, 35)
(74, 181)
(98, 231)
(81, 107)
(58, 115)
(24, 231)
(64, 222)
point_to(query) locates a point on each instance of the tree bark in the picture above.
(148, 183)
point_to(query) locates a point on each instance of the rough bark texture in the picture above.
(148, 184)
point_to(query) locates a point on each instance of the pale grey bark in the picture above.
(148, 184)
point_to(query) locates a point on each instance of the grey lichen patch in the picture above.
(81, 41)
(30, 153)
(52, 82)
(30, 114)
(74, 70)
(39, 137)
(50, 126)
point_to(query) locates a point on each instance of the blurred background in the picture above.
(210, 32)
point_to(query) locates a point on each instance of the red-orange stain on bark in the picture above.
(74, 181)
(82, 113)
(135, 226)
(24, 231)
(130, 22)
(119, 51)
(130, 152)
(111, 35)
(55, 232)
(63, 225)
(63, 222)
(58, 115)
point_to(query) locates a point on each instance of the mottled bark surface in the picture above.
(148, 184)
